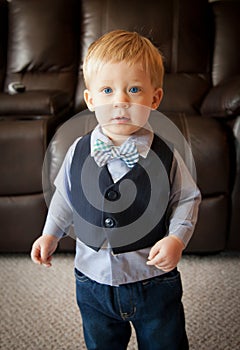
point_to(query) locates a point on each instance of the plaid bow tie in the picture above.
(103, 152)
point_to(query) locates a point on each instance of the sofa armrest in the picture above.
(31, 103)
(223, 100)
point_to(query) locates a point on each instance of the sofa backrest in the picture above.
(47, 41)
(42, 46)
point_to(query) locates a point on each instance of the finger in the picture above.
(154, 250)
(35, 255)
(165, 268)
(46, 257)
(158, 259)
(47, 262)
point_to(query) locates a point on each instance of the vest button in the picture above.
(112, 195)
(109, 222)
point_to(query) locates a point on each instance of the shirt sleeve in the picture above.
(185, 198)
(60, 218)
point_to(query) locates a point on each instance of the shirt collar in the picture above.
(143, 139)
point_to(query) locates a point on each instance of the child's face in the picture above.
(122, 97)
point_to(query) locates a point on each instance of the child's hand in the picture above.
(43, 248)
(166, 253)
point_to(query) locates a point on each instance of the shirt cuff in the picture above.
(52, 229)
(184, 234)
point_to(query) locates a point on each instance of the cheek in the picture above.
(101, 99)
(103, 112)
(140, 114)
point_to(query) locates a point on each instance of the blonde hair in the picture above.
(130, 47)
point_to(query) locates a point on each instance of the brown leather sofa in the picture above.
(42, 44)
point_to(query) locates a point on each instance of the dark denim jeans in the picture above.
(153, 307)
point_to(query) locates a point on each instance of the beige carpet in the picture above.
(38, 309)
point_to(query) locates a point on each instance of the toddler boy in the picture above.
(132, 201)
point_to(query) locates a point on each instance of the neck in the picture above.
(117, 140)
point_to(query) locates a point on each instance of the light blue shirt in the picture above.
(103, 266)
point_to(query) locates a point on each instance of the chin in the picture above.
(122, 130)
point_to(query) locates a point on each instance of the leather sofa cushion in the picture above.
(210, 148)
(210, 232)
(223, 100)
(184, 92)
(21, 222)
(33, 103)
(22, 148)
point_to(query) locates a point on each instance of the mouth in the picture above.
(121, 119)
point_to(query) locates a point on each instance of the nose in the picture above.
(121, 100)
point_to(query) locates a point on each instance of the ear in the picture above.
(157, 98)
(89, 100)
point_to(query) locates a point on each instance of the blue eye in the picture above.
(107, 90)
(134, 89)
